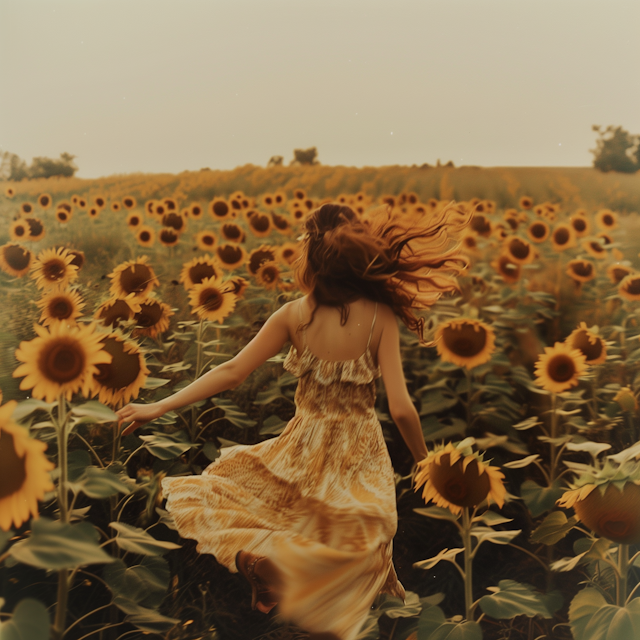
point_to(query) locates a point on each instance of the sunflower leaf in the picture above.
(101, 483)
(487, 534)
(30, 621)
(393, 607)
(145, 584)
(553, 528)
(273, 424)
(446, 554)
(154, 383)
(540, 499)
(592, 618)
(455, 631)
(437, 513)
(145, 619)
(234, 414)
(523, 462)
(96, 411)
(514, 599)
(163, 446)
(23, 409)
(137, 540)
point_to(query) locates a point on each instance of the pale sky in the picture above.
(169, 85)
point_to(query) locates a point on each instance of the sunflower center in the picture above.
(579, 225)
(596, 246)
(634, 286)
(260, 223)
(78, 258)
(465, 340)
(619, 273)
(280, 221)
(561, 236)
(538, 230)
(20, 231)
(174, 221)
(269, 274)
(62, 360)
(561, 368)
(519, 249)
(211, 299)
(119, 310)
(123, 369)
(54, 270)
(591, 351)
(149, 314)
(258, 257)
(230, 254)
(200, 271)
(145, 236)
(582, 268)
(135, 278)
(607, 220)
(60, 308)
(13, 469)
(169, 237)
(35, 226)
(134, 221)
(481, 225)
(232, 231)
(220, 209)
(208, 240)
(17, 257)
(466, 488)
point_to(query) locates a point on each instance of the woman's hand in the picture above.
(139, 414)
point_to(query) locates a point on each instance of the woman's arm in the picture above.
(266, 344)
(402, 411)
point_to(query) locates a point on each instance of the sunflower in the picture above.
(580, 224)
(19, 230)
(267, 200)
(195, 211)
(268, 275)
(605, 238)
(24, 471)
(219, 209)
(44, 200)
(288, 252)
(260, 225)
(74, 199)
(168, 237)
(134, 220)
(563, 237)
(238, 285)
(279, 198)
(617, 272)
(36, 229)
(629, 287)
(115, 206)
(120, 381)
(196, 270)
(590, 344)
(233, 232)
(388, 199)
(61, 360)
(467, 343)
(481, 225)
(581, 270)
(281, 223)
(145, 235)
(66, 206)
(212, 300)
(60, 306)
(54, 268)
(264, 253)
(153, 318)
(526, 202)
(298, 215)
(606, 219)
(149, 207)
(15, 260)
(520, 251)
(129, 202)
(230, 255)
(455, 477)
(508, 270)
(538, 231)
(595, 248)
(82, 203)
(559, 367)
(62, 215)
(99, 201)
(9, 192)
(159, 210)
(115, 310)
(174, 221)
(299, 194)
(94, 212)
(206, 240)
(77, 258)
(26, 208)
(170, 204)
(133, 277)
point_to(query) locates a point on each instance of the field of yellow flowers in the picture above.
(523, 522)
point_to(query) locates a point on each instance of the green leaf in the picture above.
(137, 540)
(437, 513)
(491, 518)
(154, 383)
(448, 555)
(540, 499)
(268, 395)
(30, 621)
(210, 450)
(54, 545)
(234, 414)
(553, 528)
(529, 423)
(430, 619)
(455, 631)
(23, 409)
(163, 446)
(100, 483)
(273, 424)
(77, 461)
(145, 619)
(96, 411)
(512, 599)
(5, 536)
(592, 618)
(393, 607)
(487, 534)
(145, 584)
(523, 462)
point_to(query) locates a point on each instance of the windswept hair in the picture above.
(406, 261)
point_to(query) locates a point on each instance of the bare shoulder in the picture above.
(386, 314)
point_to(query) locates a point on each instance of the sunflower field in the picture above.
(523, 522)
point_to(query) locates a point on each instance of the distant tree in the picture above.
(617, 150)
(305, 156)
(12, 167)
(46, 167)
(275, 161)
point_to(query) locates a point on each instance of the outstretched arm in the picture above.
(266, 344)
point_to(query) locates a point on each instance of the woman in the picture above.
(309, 517)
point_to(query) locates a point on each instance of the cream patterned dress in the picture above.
(318, 500)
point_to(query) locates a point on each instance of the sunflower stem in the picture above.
(468, 563)
(623, 571)
(554, 435)
(469, 380)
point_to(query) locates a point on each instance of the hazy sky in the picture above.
(168, 85)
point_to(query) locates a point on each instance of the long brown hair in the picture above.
(404, 261)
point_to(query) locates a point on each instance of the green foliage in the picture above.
(13, 168)
(510, 599)
(593, 618)
(30, 621)
(617, 150)
(305, 156)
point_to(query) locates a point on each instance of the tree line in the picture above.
(12, 167)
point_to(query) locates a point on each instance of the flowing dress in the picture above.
(319, 500)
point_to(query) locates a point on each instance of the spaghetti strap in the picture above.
(304, 331)
(375, 313)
